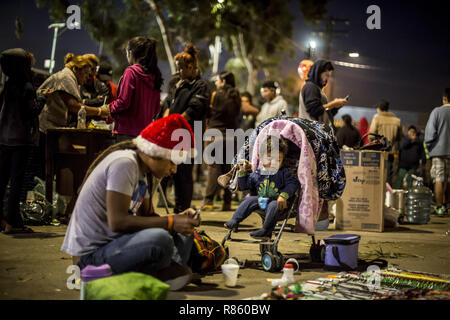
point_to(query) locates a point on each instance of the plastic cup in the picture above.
(230, 274)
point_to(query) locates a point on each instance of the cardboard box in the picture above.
(361, 204)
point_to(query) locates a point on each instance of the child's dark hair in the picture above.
(413, 127)
(266, 146)
(143, 50)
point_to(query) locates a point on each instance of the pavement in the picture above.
(33, 267)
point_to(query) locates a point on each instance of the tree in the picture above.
(257, 33)
(314, 11)
(113, 23)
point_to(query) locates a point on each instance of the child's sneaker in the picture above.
(262, 234)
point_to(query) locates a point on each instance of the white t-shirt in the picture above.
(88, 227)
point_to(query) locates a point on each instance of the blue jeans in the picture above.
(250, 204)
(146, 251)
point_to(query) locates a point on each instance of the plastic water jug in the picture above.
(418, 203)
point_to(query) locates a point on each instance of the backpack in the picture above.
(380, 143)
(207, 254)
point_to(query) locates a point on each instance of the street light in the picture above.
(353, 54)
(56, 26)
(311, 49)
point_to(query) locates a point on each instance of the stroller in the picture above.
(321, 152)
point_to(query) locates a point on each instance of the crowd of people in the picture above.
(114, 220)
(413, 152)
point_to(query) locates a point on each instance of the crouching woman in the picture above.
(114, 222)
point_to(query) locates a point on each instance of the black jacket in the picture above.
(225, 108)
(19, 106)
(311, 92)
(190, 97)
(349, 136)
(89, 93)
(411, 153)
(171, 87)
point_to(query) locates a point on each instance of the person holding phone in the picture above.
(313, 104)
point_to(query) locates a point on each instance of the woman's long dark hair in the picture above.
(143, 50)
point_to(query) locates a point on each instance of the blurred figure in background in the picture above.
(274, 104)
(348, 135)
(387, 124)
(138, 96)
(94, 91)
(104, 74)
(191, 99)
(363, 129)
(248, 111)
(411, 157)
(225, 110)
(437, 139)
(19, 130)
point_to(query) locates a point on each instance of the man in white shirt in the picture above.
(275, 102)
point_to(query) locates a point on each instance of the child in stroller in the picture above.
(270, 186)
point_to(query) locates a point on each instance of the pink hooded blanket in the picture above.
(309, 205)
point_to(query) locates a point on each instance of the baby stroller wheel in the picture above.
(271, 262)
(268, 262)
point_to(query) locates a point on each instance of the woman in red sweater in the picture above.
(138, 95)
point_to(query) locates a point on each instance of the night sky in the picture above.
(411, 51)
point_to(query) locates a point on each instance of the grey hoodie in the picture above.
(272, 109)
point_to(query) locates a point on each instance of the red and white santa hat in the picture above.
(169, 138)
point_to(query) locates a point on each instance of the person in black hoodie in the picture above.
(225, 109)
(19, 129)
(313, 104)
(191, 99)
(411, 156)
(348, 135)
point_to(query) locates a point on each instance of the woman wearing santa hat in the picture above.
(114, 222)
